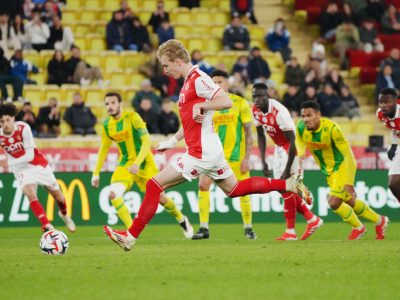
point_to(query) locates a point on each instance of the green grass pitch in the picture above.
(163, 265)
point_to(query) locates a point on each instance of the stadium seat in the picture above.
(202, 17)
(34, 57)
(52, 91)
(40, 78)
(149, 5)
(65, 129)
(201, 30)
(94, 4)
(144, 15)
(70, 16)
(213, 45)
(220, 18)
(256, 32)
(135, 79)
(90, 15)
(130, 92)
(105, 15)
(93, 58)
(196, 43)
(182, 31)
(74, 4)
(112, 61)
(217, 31)
(224, 5)
(46, 55)
(117, 80)
(208, 3)
(68, 91)
(33, 94)
(132, 60)
(83, 28)
(170, 4)
(111, 4)
(81, 42)
(135, 4)
(99, 27)
(93, 96)
(97, 43)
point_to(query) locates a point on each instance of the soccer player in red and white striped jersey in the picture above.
(30, 166)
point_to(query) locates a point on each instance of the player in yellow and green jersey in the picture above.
(332, 152)
(234, 129)
(136, 162)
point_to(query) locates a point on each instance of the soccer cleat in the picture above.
(69, 223)
(120, 237)
(202, 233)
(357, 234)
(296, 185)
(47, 227)
(311, 228)
(287, 237)
(187, 228)
(381, 228)
(250, 234)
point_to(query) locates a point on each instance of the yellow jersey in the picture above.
(128, 132)
(228, 124)
(328, 146)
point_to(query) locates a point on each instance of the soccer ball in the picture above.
(54, 242)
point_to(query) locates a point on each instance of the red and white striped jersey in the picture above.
(276, 120)
(200, 138)
(16, 144)
(392, 124)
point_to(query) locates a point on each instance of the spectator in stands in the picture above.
(80, 72)
(317, 60)
(147, 92)
(329, 20)
(157, 16)
(335, 80)
(140, 36)
(240, 67)
(28, 116)
(61, 38)
(330, 103)
(118, 33)
(48, 120)
(375, 9)
(237, 84)
(57, 69)
(236, 36)
(149, 115)
(394, 61)
(278, 39)
(126, 10)
(311, 79)
(349, 14)
(168, 120)
(243, 8)
(50, 10)
(8, 39)
(347, 37)
(189, 3)
(20, 34)
(258, 68)
(160, 82)
(386, 79)
(391, 20)
(292, 99)
(310, 94)
(80, 117)
(37, 31)
(21, 67)
(349, 103)
(197, 59)
(273, 93)
(369, 36)
(7, 78)
(27, 8)
(294, 74)
(165, 31)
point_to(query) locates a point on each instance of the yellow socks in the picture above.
(171, 208)
(204, 208)
(122, 211)
(245, 207)
(348, 215)
(363, 210)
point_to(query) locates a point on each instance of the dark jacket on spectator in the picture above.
(394, 63)
(335, 85)
(43, 117)
(155, 20)
(329, 21)
(293, 103)
(165, 35)
(168, 123)
(151, 118)
(140, 36)
(294, 76)
(328, 103)
(55, 35)
(79, 116)
(257, 68)
(155, 100)
(234, 35)
(367, 36)
(118, 33)
(382, 82)
(350, 100)
(57, 72)
(276, 41)
(21, 68)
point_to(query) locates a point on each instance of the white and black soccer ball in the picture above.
(54, 242)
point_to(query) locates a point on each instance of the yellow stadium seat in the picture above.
(257, 43)
(105, 15)
(74, 4)
(70, 16)
(195, 43)
(83, 28)
(117, 80)
(220, 18)
(256, 32)
(68, 91)
(135, 79)
(135, 4)
(201, 30)
(182, 31)
(183, 18)
(366, 128)
(81, 42)
(217, 31)
(202, 17)
(112, 61)
(111, 4)
(208, 3)
(89, 15)
(100, 113)
(40, 78)
(97, 43)
(212, 59)
(224, 5)
(46, 55)
(34, 57)
(170, 4)
(93, 58)
(132, 60)
(52, 91)
(144, 15)
(94, 4)
(278, 77)
(99, 27)
(149, 5)
(129, 94)
(93, 96)
(214, 45)
(34, 94)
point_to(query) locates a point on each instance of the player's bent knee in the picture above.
(334, 202)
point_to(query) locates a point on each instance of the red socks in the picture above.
(39, 212)
(303, 209)
(289, 209)
(63, 207)
(148, 207)
(257, 185)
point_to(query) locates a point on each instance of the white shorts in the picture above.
(280, 161)
(192, 167)
(395, 165)
(37, 175)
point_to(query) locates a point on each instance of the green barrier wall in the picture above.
(91, 206)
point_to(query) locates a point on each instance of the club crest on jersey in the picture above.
(11, 140)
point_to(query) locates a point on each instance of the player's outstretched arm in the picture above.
(170, 143)
(102, 154)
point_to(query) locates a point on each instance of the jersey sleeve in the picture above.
(205, 87)
(300, 144)
(27, 137)
(103, 151)
(284, 120)
(245, 113)
(344, 148)
(140, 126)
